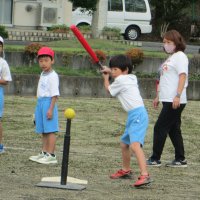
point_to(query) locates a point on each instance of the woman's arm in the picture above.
(181, 83)
(156, 100)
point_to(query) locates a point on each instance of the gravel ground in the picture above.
(94, 154)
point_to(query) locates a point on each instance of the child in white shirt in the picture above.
(46, 112)
(125, 88)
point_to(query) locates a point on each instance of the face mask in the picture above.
(169, 48)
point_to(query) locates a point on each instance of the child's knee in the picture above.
(135, 146)
(124, 146)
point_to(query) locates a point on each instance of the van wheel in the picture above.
(132, 33)
(83, 24)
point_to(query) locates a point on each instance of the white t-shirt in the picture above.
(175, 65)
(125, 88)
(48, 85)
(4, 70)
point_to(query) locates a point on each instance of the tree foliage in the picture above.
(3, 32)
(87, 4)
(170, 11)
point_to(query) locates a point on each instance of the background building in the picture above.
(34, 14)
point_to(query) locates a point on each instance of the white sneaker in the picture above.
(47, 159)
(35, 158)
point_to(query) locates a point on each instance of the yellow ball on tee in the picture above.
(69, 113)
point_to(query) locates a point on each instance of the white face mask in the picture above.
(169, 48)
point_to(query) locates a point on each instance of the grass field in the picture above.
(94, 153)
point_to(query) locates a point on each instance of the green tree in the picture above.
(3, 32)
(168, 12)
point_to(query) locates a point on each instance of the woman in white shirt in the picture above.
(171, 91)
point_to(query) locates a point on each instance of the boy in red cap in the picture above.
(46, 112)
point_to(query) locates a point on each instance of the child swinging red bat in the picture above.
(85, 44)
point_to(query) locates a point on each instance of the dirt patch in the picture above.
(94, 154)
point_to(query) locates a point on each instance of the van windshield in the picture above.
(115, 5)
(135, 6)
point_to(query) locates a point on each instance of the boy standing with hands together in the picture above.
(125, 88)
(46, 112)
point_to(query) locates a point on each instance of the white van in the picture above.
(133, 17)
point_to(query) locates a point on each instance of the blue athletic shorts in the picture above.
(1, 101)
(42, 124)
(136, 126)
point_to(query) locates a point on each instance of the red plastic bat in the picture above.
(85, 44)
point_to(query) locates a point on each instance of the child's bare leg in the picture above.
(136, 148)
(51, 142)
(44, 142)
(125, 156)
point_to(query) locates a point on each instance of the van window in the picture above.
(135, 6)
(115, 5)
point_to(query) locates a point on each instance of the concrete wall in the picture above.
(88, 87)
(148, 65)
(24, 85)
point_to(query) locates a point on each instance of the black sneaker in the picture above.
(152, 162)
(177, 163)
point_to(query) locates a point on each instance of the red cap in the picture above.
(46, 51)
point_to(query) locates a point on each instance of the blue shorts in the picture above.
(136, 126)
(1, 101)
(42, 124)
